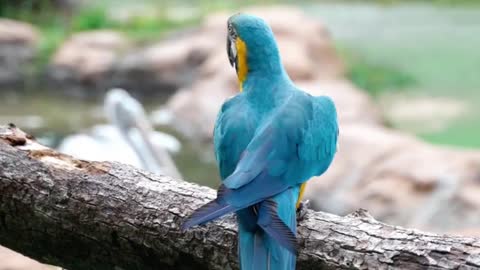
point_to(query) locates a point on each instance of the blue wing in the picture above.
(234, 129)
(294, 144)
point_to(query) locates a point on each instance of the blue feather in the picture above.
(260, 256)
(275, 227)
(270, 255)
(208, 212)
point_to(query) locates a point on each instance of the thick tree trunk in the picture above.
(101, 215)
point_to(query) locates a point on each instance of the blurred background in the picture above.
(405, 76)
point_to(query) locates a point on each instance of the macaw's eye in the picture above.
(231, 31)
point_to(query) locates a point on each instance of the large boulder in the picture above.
(87, 59)
(400, 180)
(162, 68)
(18, 45)
(97, 60)
(195, 109)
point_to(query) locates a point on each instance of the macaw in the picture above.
(269, 140)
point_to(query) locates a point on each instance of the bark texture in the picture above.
(101, 215)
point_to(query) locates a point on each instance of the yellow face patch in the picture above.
(241, 61)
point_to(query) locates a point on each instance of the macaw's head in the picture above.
(252, 48)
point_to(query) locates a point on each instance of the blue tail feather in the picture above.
(260, 253)
(271, 253)
(208, 212)
(271, 223)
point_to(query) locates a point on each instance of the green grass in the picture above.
(91, 18)
(459, 133)
(376, 78)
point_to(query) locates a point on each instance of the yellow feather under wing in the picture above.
(300, 194)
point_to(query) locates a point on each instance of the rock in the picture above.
(164, 67)
(400, 180)
(87, 58)
(423, 114)
(195, 109)
(90, 53)
(19, 33)
(18, 44)
(105, 59)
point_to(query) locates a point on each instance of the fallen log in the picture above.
(101, 215)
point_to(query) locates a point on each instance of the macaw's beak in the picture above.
(232, 52)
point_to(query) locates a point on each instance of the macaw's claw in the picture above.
(302, 210)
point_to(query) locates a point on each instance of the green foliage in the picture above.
(459, 133)
(50, 40)
(19, 9)
(376, 78)
(91, 19)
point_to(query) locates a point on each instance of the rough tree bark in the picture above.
(101, 215)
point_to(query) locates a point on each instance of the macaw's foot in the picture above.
(302, 210)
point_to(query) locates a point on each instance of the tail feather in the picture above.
(271, 223)
(260, 256)
(276, 229)
(257, 252)
(208, 212)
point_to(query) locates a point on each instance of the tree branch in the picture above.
(102, 215)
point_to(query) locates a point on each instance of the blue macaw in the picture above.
(269, 140)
